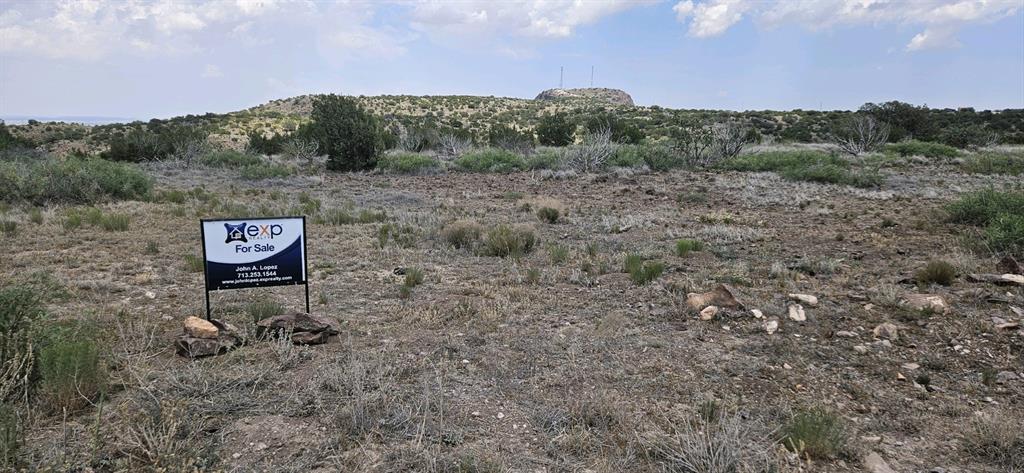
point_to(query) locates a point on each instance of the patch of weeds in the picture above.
(509, 242)
(115, 222)
(815, 433)
(152, 248)
(8, 227)
(818, 266)
(922, 148)
(812, 166)
(35, 216)
(307, 203)
(642, 272)
(413, 277)
(407, 163)
(996, 439)
(999, 214)
(691, 198)
(558, 254)
(533, 276)
(345, 216)
(989, 376)
(936, 272)
(11, 436)
(592, 249)
(548, 214)
(179, 211)
(1010, 164)
(512, 195)
(491, 160)
(175, 196)
(71, 370)
(403, 236)
(21, 308)
(263, 308)
(72, 221)
(462, 234)
(194, 263)
(685, 246)
(265, 171)
(888, 223)
(717, 218)
(727, 444)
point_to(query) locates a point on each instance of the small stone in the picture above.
(886, 331)
(861, 349)
(846, 334)
(786, 366)
(150, 295)
(757, 313)
(875, 464)
(910, 366)
(796, 312)
(475, 413)
(926, 302)
(236, 455)
(771, 326)
(200, 328)
(871, 439)
(708, 312)
(900, 377)
(501, 415)
(805, 298)
(1004, 377)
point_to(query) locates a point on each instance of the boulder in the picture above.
(302, 328)
(805, 299)
(926, 302)
(796, 313)
(720, 296)
(709, 312)
(875, 464)
(887, 331)
(200, 328)
(195, 347)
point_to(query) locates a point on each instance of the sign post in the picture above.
(253, 252)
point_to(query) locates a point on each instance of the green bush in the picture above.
(491, 160)
(555, 130)
(20, 309)
(656, 157)
(558, 254)
(992, 162)
(70, 369)
(462, 234)
(544, 159)
(1005, 234)
(510, 139)
(509, 242)
(640, 271)
(922, 148)
(548, 214)
(626, 156)
(685, 246)
(115, 222)
(983, 207)
(36, 216)
(345, 216)
(71, 180)
(8, 227)
(413, 277)
(351, 136)
(10, 436)
(407, 163)
(815, 433)
(194, 263)
(812, 166)
(264, 308)
(937, 272)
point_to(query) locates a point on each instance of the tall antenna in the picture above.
(561, 75)
(591, 77)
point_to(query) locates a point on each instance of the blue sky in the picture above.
(142, 59)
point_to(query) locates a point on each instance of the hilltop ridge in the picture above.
(612, 96)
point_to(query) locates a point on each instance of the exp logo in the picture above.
(243, 232)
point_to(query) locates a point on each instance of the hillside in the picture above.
(595, 94)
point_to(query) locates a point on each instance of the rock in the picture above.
(200, 328)
(926, 302)
(303, 328)
(900, 377)
(771, 326)
(805, 298)
(910, 366)
(1010, 265)
(1004, 377)
(199, 347)
(311, 338)
(861, 349)
(599, 94)
(796, 312)
(887, 331)
(720, 296)
(709, 312)
(757, 313)
(875, 464)
(846, 334)
(1008, 326)
(1000, 279)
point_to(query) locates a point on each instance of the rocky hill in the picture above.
(612, 96)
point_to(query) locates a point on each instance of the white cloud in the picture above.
(211, 71)
(941, 19)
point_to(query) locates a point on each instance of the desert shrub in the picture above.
(351, 136)
(264, 308)
(555, 130)
(1005, 234)
(348, 216)
(859, 134)
(9, 141)
(71, 180)
(996, 439)
(20, 309)
(406, 163)
(510, 139)
(815, 433)
(626, 156)
(544, 159)
(72, 221)
(115, 222)
(10, 436)
(640, 271)
(937, 272)
(694, 143)
(462, 234)
(967, 136)
(229, 158)
(685, 246)
(659, 158)
(810, 166)
(722, 444)
(413, 277)
(620, 130)
(265, 171)
(509, 242)
(35, 216)
(70, 368)
(983, 207)
(491, 160)
(194, 263)
(994, 162)
(268, 145)
(8, 227)
(922, 148)
(558, 254)
(548, 214)
(593, 153)
(403, 236)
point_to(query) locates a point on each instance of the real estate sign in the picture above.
(254, 252)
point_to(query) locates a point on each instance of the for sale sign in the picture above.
(254, 252)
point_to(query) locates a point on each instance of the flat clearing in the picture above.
(556, 361)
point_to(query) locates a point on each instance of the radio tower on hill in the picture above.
(561, 75)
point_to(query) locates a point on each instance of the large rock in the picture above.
(301, 327)
(599, 94)
(926, 302)
(875, 464)
(195, 347)
(200, 328)
(887, 331)
(720, 296)
(1000, 279)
